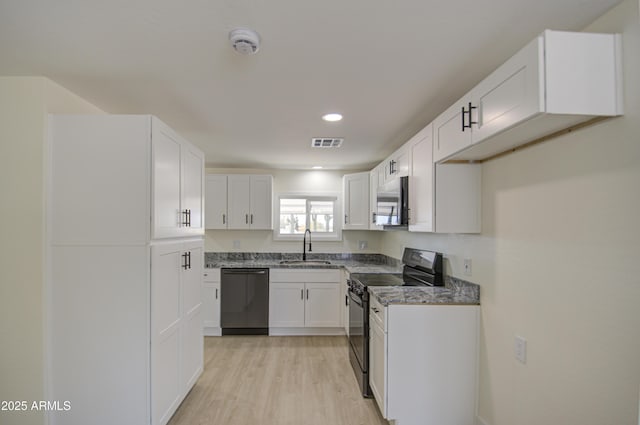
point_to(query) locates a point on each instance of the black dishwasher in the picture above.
(244, 302)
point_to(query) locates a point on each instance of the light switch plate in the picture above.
(520, 349)
(467, 266)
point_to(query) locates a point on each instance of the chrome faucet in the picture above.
(304, 244)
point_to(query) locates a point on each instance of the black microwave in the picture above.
(392, 204)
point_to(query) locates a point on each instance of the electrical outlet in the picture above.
(520, 349)
(467, 266)
(236, 244)
(363, 244)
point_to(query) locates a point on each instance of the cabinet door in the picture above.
(239, 202)
(260, 215)
(374, 179)
(286, 305)
(421, 185)
(511, 94)
(211, 298)
(211, 305)
(166, 261)
(377, 365)
(322, 309)
(345, 303)
(193, 189)
(192, 349)
(448, 135)
(215, 202)
(166, 164)
(401, 163)
(356, 201)
(191, 294)
(192, 277)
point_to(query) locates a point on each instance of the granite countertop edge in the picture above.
(454, 292)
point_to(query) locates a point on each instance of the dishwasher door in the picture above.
(244, 301)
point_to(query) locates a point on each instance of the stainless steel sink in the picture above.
(305, 262)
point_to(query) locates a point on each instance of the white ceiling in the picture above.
(388, 66)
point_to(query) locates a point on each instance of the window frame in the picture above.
(336, 235)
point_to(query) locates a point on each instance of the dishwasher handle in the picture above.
(243, 271)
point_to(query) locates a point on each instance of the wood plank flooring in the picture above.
(272, 380)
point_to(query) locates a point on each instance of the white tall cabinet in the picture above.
(125, 225)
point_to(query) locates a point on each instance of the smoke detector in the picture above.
(244, 41)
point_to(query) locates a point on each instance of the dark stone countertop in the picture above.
(353, 263)
(455, 292)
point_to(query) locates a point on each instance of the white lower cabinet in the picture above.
(423, 362)
(176, 325)
(304, 301)
(211, 302)
(377, 358)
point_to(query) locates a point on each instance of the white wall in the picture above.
(24, 103)
(558, 262)
(290, 181)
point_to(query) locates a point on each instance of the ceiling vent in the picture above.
(244, 41)
(327, 142)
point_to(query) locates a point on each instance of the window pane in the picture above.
(293, 216)
(321, 216)
(296, 213)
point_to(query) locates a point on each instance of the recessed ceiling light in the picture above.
(332, 117)
(317, 167)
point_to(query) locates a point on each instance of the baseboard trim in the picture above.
(305, 331)
(212, 331)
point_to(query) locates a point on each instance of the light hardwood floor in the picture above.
(269, 380)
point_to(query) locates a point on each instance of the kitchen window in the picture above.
(297, 213)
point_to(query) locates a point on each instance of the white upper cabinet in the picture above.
(397, 165)
(261, 213)
(139, 180)
(450, 133)
(376, 179)
(356, 201)
(421, 183)
(558, 80)
(177, 179)
(215, 198)
(249, 202)
(193, 188)
(443, 198)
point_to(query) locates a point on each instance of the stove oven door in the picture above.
(358, 330)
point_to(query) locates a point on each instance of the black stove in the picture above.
(421, 268)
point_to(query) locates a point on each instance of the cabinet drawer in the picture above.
(305, 275)
(377, 313)
(211, 275)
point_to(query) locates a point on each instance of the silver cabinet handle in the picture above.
(307, 294)
(224, 219)
(246, 219)
(251, 218)
(216, 293)
(302, 294)
(345, 219)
